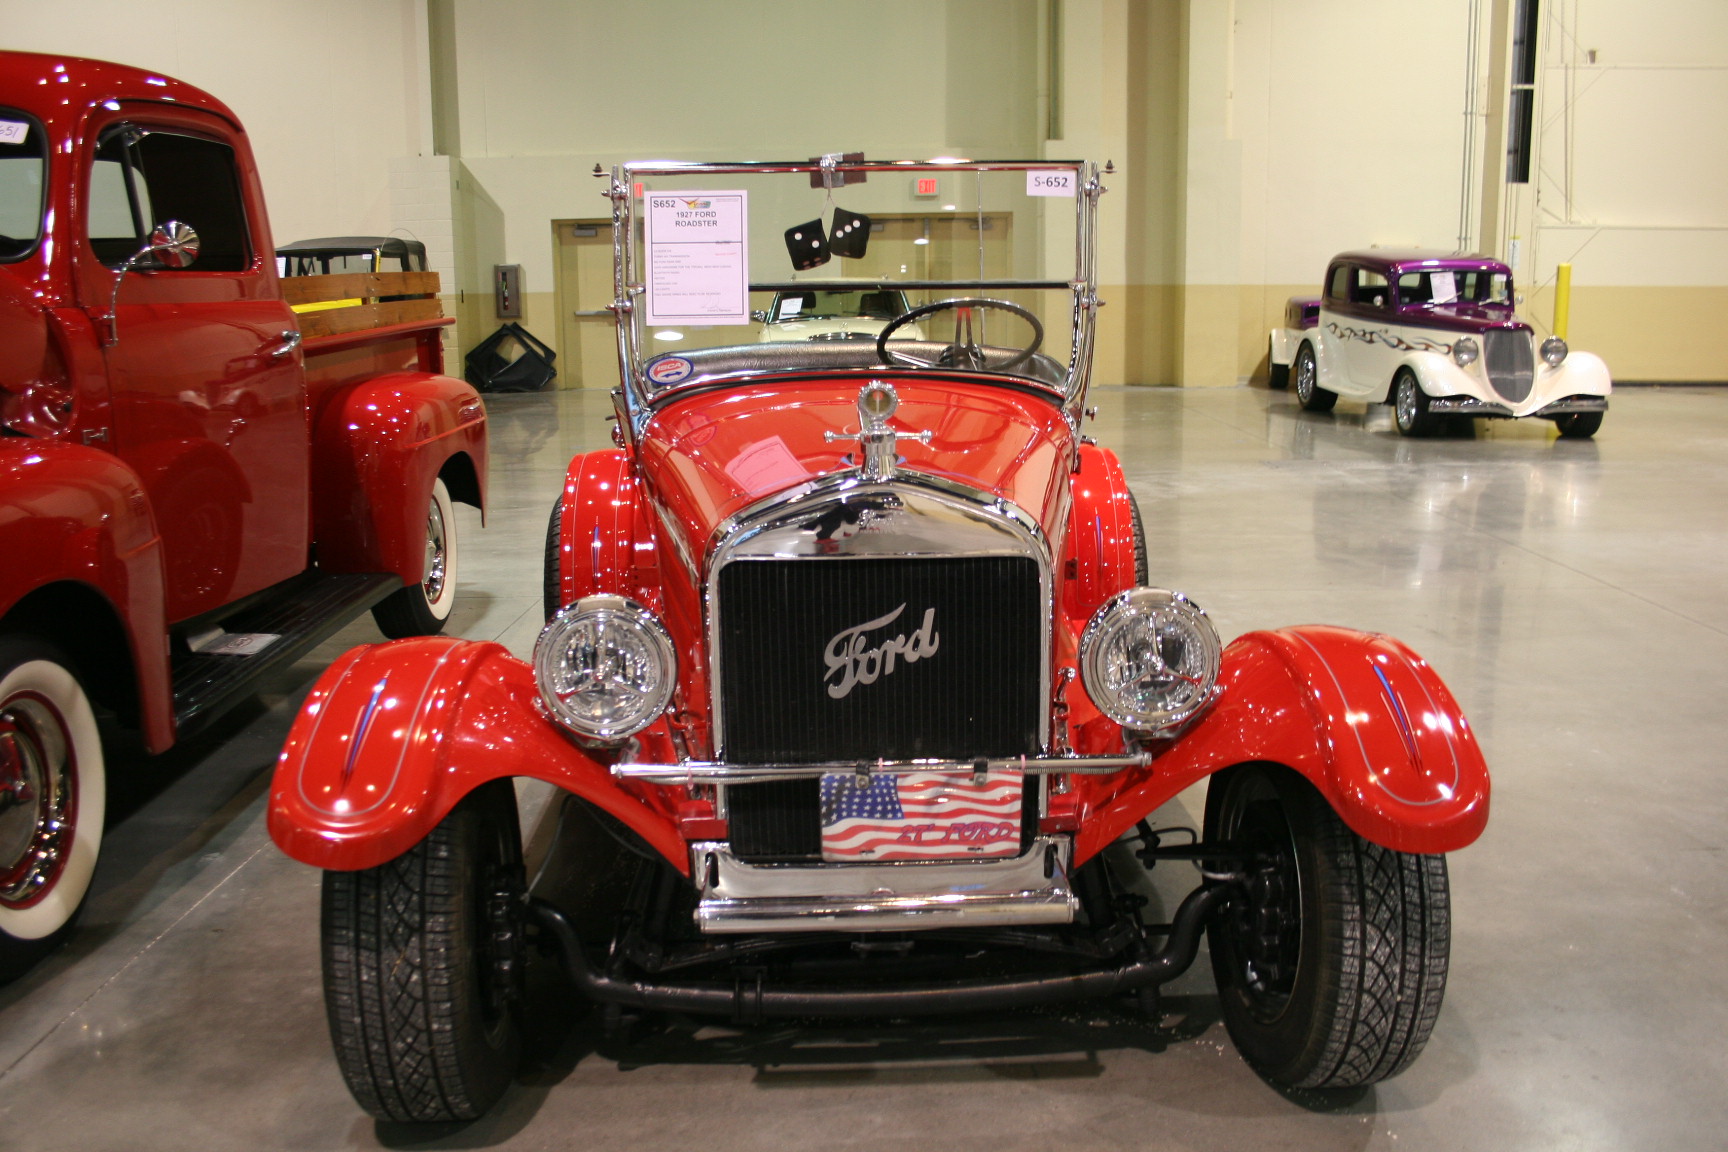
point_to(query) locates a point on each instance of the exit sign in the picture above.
(925, 186)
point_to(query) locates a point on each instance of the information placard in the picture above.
(1051, 182)
(697, 256)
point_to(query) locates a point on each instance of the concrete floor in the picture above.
(1572, 594)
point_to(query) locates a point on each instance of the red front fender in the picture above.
(1360, 715)
(393, 735)
(380, 445)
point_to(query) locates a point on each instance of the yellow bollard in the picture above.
(1562, 299)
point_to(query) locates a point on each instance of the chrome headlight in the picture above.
(1464, 351)
(1149, 658)
(1554, 350)
(605, 667)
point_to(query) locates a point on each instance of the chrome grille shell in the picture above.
(913, 515)
(1510, 362)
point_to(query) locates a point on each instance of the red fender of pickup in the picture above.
(394, 735)
(380, 444)
(1360, 715)
(75, 515)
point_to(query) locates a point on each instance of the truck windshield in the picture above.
(23, 161)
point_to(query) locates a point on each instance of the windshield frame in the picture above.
(639, 396)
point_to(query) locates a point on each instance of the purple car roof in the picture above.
(1391, 261)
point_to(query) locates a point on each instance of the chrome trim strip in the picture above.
(1573, 404)
(765, 530)
(710, 771)
(1465, 406)
(889, 897)
(745, 167)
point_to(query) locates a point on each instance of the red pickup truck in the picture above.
(194, 490)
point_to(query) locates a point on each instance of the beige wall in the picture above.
(1252, 138)
(329, 91)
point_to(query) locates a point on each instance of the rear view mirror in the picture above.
(173, 244)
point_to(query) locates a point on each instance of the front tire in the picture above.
(1578, 425)
(1410, 407)
(422, 609)
(1142, 567)
(1331, 961)
(551, 586)
(423, 967)
(1309, 394)
(53, 792)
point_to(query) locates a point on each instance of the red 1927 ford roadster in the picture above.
(852, 675)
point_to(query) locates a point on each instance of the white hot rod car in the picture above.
(1433, 336)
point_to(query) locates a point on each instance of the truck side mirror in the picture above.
(173, 244)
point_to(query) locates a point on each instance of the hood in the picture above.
(713, 454)
(1461, 317)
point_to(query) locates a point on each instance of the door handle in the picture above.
(580, 314)
(290, 341)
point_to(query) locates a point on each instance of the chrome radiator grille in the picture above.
(1510, 362)
(951, 668)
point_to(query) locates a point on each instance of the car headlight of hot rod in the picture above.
(605, 667)
(1553, 351)
(1464, 351)
(1149, 659)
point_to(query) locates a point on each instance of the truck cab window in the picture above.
(22, 162)
(142, 179)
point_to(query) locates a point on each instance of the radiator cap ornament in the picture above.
(877, 440)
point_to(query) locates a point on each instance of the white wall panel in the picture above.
(1351, 117)
(328, 90)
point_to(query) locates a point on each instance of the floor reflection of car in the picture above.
(835, 314)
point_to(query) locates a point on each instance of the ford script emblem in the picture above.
(852, 660)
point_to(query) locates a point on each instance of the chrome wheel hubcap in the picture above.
(435, 554)
(37, 795)
(1406, 404)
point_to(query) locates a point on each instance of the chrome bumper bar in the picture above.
(1465, 406)
(736, 896)
(710, 772)
(1571, 404)
(1471, 406)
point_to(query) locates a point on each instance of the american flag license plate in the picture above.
(920, 816)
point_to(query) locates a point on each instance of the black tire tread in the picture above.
(1378, 975)
(551, 593)
(1391, 951)
(1579, 425)
(1142, 568)
(392, 939)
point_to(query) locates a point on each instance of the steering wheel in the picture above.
(964, 351)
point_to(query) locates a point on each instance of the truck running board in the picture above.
(300, 612)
